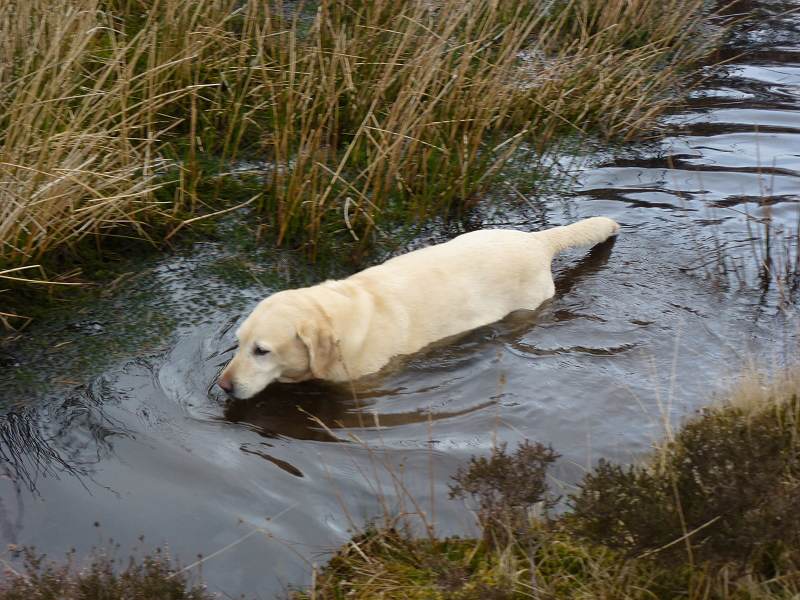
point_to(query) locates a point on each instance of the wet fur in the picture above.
(342, 330)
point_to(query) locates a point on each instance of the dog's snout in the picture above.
(225, 384)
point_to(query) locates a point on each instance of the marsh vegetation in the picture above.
(222, 129)
(708, 514)
(123, 119)
(105, 577)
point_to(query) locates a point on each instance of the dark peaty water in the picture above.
(641, 332)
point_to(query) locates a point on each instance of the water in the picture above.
(641, 332)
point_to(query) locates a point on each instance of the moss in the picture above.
(85, 263)
(389, 564)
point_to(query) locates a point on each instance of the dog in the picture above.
(341, 330)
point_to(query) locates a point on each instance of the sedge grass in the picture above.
(84, 112)
(387, 108)
(114, 113)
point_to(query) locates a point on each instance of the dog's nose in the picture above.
(225, 384)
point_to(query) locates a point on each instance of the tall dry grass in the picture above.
(384, 108)
(366, 112)
(85, 109)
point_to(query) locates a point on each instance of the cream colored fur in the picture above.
(342, 330)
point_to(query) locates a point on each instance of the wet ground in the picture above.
(124, 435)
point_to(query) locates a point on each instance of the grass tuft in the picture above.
(709, 514)
(722, 491)
(122, 118)
(507, 488)
(150, 578)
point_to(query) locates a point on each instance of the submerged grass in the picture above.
(709, 514)
(121, 118)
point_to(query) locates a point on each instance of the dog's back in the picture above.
(470, 281)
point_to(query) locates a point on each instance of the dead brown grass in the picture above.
(115, 114)
(84, 111)
(386, 108)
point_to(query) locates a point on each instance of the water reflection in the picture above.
(288, 410)
(325, 412)
(591, 264)
(27, 455)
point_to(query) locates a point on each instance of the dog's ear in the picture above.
(321, 345)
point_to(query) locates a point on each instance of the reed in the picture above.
(383, 110)
(119, 117)
(85, 111)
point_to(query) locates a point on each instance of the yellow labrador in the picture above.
(342, 330)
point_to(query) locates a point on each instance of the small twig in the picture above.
(209, 215)
(231, 545)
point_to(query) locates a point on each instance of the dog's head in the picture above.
(286, 338)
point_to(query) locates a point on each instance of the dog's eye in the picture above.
(258, 351)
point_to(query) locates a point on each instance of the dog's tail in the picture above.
(586, 232)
